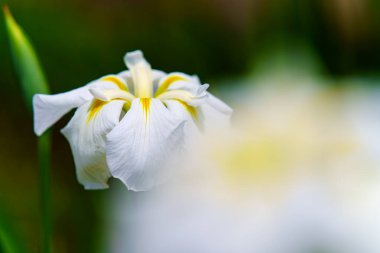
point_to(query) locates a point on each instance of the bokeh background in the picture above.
(229, 44)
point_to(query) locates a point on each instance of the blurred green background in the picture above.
(79, 41)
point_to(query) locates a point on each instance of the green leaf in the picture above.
(26, 63)
(33, 81)
(9, 240)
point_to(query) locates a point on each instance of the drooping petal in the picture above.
(192, 115)
(140, 147)
(216, 113)
(48, 109)
(86, 133)
(218, 105)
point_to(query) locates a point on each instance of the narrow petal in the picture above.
(117, 80)
(189, 83)
(157, 75)
(48, 109)
(195, 98)
(169, 80)
(197, 89)
(141, 72)
(182, 87)
(216, 113)
(86, 133)
(140, 147)
(110, 94)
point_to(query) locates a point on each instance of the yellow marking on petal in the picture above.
(145, 103)
(194, 113)
(167, 82)
(116, 80)
(190, 109)
(127, 106)
(94, 109)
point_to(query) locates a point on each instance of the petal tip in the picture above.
(202, 89)
(134, 57)
(38, 132)
(39, 128)
(64, 131)
(133, 187)
(94, 186)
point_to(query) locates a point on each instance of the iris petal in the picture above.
(216, 113)
(86, 133)
(140, 147)
(190, 114)
(48, 109)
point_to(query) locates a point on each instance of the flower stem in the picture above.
(44, 143)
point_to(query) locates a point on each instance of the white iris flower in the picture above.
(127, 125)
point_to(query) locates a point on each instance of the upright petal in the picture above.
(86, 133)
(157, 75)
(120, 82)
(194, 98)
(169, 80)
(141, 72)
(189, 83)
(140, 147)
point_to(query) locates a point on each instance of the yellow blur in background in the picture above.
(298, 171)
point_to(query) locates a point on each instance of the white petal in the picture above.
(170, 82)
(141, 72)
(157, 75)
(111, 82)
(86, 133)
(193, 99)
(110, 94)
(188, 85)
(196, 89)
(188, 113)
(143, 143)
(216, 114)
(219, 105)
(48, 109)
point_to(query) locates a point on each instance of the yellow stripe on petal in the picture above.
(167, 82)
(190, 109)
(145, 103)
(116, 80)
(127, 105)
(194, 113)
(94, 109)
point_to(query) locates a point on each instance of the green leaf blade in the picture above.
(27, 66)
(33, 81)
